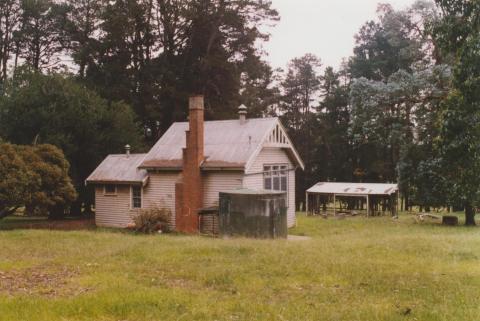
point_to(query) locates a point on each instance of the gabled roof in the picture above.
(120, 169)
(353, 188)
(229, 144)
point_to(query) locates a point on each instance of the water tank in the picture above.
(253, 213)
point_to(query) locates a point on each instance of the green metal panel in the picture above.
(255, 214)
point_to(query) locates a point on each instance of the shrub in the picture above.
(36, 178)
(153, 220)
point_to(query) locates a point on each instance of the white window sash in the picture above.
(132, 199)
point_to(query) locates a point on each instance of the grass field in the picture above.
(353, 269)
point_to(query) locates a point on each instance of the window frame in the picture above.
(132, 207)
(281, 171)
(105, 193)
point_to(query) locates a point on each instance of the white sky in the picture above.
(325, 28)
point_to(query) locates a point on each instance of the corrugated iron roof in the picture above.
(228, 143)
(119, 169)
(353, 188)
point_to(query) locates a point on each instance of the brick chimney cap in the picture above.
(196, 102)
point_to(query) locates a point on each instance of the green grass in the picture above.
(353, 269)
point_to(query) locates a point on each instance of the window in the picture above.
(275, 177)
(136, 197)
(267, 178)
(110, 190)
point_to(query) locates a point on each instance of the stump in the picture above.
(450, 220)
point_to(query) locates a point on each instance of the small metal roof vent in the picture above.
(242, 112)
(127, 150)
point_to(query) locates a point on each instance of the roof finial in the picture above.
(127, 150)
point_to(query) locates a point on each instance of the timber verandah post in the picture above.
(334, 204)
(306, 203)
(368, 205)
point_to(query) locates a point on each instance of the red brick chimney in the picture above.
(189, 191)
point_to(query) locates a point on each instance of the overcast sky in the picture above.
(322, 27)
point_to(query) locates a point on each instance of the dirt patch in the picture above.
(40, 281)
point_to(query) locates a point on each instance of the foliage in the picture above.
(55, 192)
(152, 220)
(300, 88)
(391, 117)
(153, 54)
(18, 180)
(34, 177)
(458, 33)
(56, 110)
(259, 91)
(10, 14)
(333, 147)
(396, 40)
(82, 25)
(41, 35)
(398, 85)
(150, 54)
(378, 117)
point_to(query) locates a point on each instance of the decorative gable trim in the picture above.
(276, 137)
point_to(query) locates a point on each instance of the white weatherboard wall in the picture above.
(160, 192)
(113, 210)
(254, 177)
(216, 182)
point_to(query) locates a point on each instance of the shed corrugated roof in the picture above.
(353, 188)
(119, 169)
(228, 143)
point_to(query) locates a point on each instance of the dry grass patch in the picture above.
(40, 281)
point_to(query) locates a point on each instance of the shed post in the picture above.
(306, 202)
(368, 205)
(397, 195)
(334, 204)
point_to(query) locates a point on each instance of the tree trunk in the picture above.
(469, 215)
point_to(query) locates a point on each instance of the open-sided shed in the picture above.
(373, 195)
